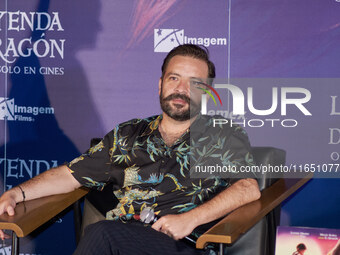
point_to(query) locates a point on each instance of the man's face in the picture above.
(178, 89)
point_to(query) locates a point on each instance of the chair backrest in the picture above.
(260, 239)
(268, 156)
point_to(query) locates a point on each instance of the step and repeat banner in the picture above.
(72, 70)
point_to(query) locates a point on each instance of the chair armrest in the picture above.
(239, 221)
(32, 214)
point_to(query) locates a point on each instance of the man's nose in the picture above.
(183, 85)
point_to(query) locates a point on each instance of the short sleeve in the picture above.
(92, 169)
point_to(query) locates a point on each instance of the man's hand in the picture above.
(176, 226)
(7, 205)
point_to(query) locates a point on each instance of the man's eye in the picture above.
(198, 84)
(173, 78)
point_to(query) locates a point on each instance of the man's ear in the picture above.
(159, 86)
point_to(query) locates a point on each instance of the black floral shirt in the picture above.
(148, 173)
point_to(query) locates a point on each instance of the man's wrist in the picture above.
(15, 194)
(193, 218)
(22, 193)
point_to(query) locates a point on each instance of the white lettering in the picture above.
(10, 69)
(41, 48)
(296, 101)
(255, 120)
(22, 168)
(272, 120)
(287, 120)
(11, 48)
(262, 112)
(333, 111)
(12, 20)
(29, 22)
(238, 100)
(335, 156)
(206, 41)
(11, 167)
(219, 122)
(238, 97)
(35, 110)
(29, 170)
(56, 22)
(332, 135)
(20, 47)
(35, 20)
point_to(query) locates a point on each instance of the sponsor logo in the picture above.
(12, 112)
(167, 39)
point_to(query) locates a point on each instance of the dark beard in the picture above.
(178, 115)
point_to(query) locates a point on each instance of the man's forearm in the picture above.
(54, 181)
(178, 226)
(238, 194)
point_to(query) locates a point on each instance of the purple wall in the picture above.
(108, 68)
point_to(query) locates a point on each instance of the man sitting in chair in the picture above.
(148, 160)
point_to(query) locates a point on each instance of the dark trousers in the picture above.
(115, 237)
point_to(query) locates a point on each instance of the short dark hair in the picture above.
(301, 247)
(190, 50)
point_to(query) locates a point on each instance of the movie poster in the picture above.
(309, 241)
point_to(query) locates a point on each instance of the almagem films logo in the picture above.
(6, 109)
(11, 112)
(167, 39)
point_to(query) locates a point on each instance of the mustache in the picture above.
(177, 96)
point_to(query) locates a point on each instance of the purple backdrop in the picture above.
(102, 67)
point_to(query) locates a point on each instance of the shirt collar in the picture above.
(152, 127)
